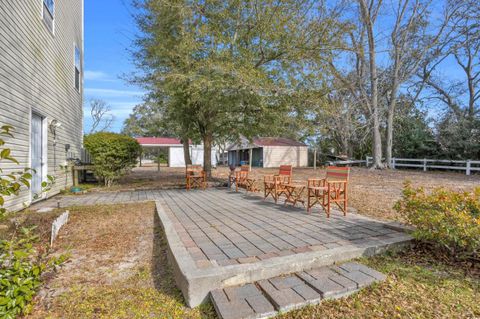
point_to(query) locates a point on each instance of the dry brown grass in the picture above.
(117, 268)
(372, 193)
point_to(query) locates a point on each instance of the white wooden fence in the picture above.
(468, 166)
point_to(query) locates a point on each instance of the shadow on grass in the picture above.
(162, 272)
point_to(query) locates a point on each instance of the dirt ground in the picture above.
(372, 193)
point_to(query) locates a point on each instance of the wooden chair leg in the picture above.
(328, 204)
(308, 201)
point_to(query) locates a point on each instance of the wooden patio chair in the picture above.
(232, 176)
(195, 177)
(274, 184)
(241, 177)
(328, 190)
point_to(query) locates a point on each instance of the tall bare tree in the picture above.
(461, 51)
(369, 13)
(411, 40)
(102, 119)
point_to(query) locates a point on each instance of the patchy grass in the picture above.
(118, 268)
(417, 286)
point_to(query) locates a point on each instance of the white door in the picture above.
(36, 149)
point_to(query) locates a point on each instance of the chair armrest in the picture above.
(316, 182)
(335, 182)
(269, 178)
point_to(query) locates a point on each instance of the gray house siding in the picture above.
(37, 75)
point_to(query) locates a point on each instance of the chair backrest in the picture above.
(191, 169)
(336, 173)
(285, 170)
(242, 174)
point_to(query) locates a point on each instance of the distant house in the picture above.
(268, 152)
(173, 150)
(41, 77)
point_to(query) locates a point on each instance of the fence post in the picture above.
(393, 163)
(424, 164)
(315, 159)
(366, 161)
(469, 166)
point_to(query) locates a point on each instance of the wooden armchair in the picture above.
(328, 190)
(232, 176)
(274, 184)
(195, 177)
(241, 177)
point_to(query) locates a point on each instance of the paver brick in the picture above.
(360, 278)
(245, 302)
(327, 287)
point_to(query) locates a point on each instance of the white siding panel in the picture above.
(274, 156)
(37, 74)
(176, 157)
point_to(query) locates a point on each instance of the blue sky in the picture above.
(109, 31)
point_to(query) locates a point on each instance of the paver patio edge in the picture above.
(180, 259)
(196, 283)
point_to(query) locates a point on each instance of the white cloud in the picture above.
(90, 75)
(111, 93)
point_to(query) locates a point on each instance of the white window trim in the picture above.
(42, 7)
(80, 75)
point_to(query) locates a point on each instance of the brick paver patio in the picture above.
(218, 238)
(224, 228)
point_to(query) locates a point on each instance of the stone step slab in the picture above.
(268, 298)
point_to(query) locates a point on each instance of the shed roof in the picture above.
(264, 141)
(276, 141)
(158, 141)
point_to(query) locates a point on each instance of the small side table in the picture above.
(251, 185)
(294, 192)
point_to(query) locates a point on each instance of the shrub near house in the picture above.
(21, 265)
(112, 155)
(449, 220)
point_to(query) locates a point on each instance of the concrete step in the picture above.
(267, 298)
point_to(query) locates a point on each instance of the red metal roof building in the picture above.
(173, 149)
(158, 141)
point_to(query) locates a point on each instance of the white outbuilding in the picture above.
(268, 152)
(173, 150)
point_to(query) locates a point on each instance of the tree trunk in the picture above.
(377, 139)
(207, 154)
(390, 120)
(186, 151)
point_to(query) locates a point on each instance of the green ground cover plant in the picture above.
(21, 264)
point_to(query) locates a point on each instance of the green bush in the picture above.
(112, 155)
(21, 268)
(447, 219)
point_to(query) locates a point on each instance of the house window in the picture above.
(77, 58)
(49, 13)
